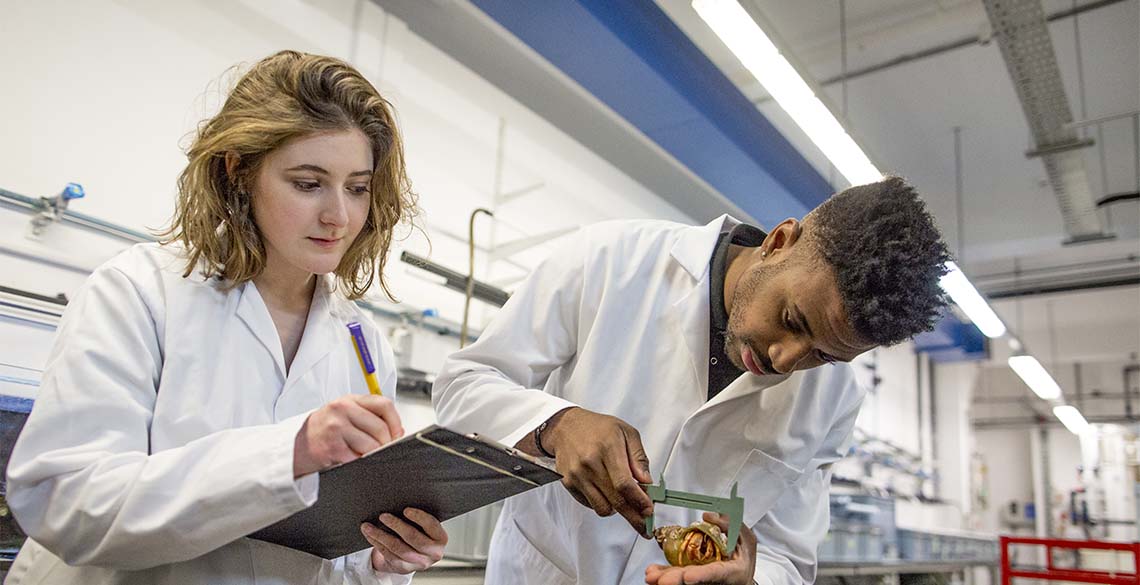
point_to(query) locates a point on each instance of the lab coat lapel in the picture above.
(689, 315)
(318, 339)
(742, 386)
(252, 311)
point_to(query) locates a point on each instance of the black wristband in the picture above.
(538, 439)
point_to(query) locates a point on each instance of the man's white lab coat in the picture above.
(617, 321)
(163, 432)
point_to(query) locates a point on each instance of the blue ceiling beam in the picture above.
(633, 57)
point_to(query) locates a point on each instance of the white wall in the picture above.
(953, 436)
(1008, 475)
(891, 411)
(105, 92)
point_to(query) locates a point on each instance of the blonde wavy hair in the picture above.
(285, 96)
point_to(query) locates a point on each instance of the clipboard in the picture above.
(439, 471)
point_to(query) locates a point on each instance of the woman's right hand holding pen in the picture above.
(343, 430)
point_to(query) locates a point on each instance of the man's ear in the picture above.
(782, 237)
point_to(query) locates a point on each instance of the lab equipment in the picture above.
(732, 506)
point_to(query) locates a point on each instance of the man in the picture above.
(648, 349)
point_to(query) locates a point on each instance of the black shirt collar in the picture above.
(741, 235)
(721, 370)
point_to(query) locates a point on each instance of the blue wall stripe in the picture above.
(636, 60)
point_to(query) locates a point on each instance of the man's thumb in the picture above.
(638, 460)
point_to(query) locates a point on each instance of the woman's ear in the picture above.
(232, 161)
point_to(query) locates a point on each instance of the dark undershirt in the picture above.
(721, 371)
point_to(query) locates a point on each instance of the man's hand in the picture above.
(602, 463)
(737, 570)
(343, 430)
(417, 548)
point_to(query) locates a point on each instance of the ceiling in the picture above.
(1006, 229)
(905, 116)
(949, 121)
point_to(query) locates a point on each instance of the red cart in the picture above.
(1053, 573)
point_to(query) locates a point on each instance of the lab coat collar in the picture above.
(690, 315)
(316, 342)
(693, 250)
(320, 330)
(694, 247)
(254, 313)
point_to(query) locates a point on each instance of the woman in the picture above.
(197, 386)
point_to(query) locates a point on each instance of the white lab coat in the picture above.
(163, 432)
(617, 321)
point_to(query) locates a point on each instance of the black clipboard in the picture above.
(437, 470)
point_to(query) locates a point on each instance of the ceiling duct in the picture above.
(1023, 35)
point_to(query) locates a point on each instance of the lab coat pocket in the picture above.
(531, 564)
(762, 480)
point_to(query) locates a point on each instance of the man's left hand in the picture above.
(419, 546)
(737, 570)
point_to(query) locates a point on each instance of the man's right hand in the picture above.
(602, 462)
(343, 430)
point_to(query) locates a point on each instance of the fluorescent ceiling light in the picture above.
(955, 283)
(1072, 419)
(760, 56)
(1035, 376)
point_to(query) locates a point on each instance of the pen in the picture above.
(364, 357)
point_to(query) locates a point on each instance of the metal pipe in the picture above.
(1116, 197)
(30, 205)
(1102, 119)
(1045, 289)
(1015, 422)
(457, 280)
(957, 44)
(1080, 385)
(1128, 390)
(470, 272)
(1098, 396)
(960, 206)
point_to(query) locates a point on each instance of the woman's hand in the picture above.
(343, 430)
(737, 570)
(418, 547)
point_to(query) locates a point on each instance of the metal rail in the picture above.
(30, 205)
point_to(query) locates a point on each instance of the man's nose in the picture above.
(788, 354)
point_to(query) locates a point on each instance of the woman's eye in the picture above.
(306, 185)
(360, 190)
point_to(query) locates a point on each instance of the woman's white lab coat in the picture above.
(163, 432)
(617, 321)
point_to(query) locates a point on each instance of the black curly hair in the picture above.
(888, 256)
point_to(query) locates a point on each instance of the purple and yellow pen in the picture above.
(364, 357)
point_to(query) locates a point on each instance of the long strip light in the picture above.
(955, 283)
(1034, 375)
(1071, 418)
(759, 55)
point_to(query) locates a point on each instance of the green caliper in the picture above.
(732, 506)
